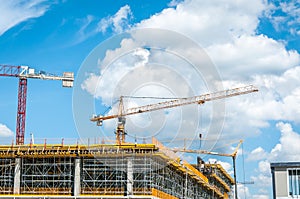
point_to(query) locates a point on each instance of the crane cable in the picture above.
(145, 97)
(108, 108)
(227, 143)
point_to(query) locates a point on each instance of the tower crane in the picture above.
(23, 73)
(201, 99)
(232, 155)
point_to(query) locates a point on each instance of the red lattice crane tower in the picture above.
(23, 73)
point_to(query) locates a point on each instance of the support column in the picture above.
(129, 177)
(235, 181)
(20, 129)
(77, 183)
(17, 176)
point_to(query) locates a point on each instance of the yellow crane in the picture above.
(233, 155)
(209, 152)
(201, 99)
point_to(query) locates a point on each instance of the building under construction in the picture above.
(121, 170)
(106, 171)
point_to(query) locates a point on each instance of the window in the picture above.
(294, 182)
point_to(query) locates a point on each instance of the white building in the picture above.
(286, 180)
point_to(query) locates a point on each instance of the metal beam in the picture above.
(21, 113)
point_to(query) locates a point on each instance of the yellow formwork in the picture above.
(162, 195)
(194, 171)
(221, 181)
(222, 171)
(46, 191)
(102, 191)
(50, 150)
(185, 167)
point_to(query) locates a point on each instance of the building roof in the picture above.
(285, 164)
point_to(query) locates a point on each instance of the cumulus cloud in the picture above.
(251, 55)
(109, 79)
(273, 102)
(239, 54)
(227, 32)
(132, 74)
(262, 180)
(264, 167)
(285, 16)
(257, 154)
(256, 196)
(288, 147)
(5, 131)
(118, 22)
(90, 25)
(209, 22)
(15, 12)
(285, 151)
(243, 191)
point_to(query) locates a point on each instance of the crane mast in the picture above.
(23, 73)
(201, 99)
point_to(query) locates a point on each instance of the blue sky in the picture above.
(247, 42)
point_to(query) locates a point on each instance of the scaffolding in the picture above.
(110, 176)
(7, 167)
(52, 176)
(107, 170)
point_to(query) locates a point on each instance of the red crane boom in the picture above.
(24, 72)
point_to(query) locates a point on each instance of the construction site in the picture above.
(109, 170)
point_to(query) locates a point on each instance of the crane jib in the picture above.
(182, 101)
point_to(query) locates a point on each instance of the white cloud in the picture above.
(252, 55)
(209, 22)
(109, 79)
(257, 154)
(90, 84)
(118, 22)
(262, 180)
(264, 167)
(15, 12)
(131, 75)
(243, 191)
(174, 3)
(288, 148)
(273, 102)
(285, 16)
(255, 196)
(5, 131)
(90, 25)
(86, 29)
(240, 55)
(285, 151)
